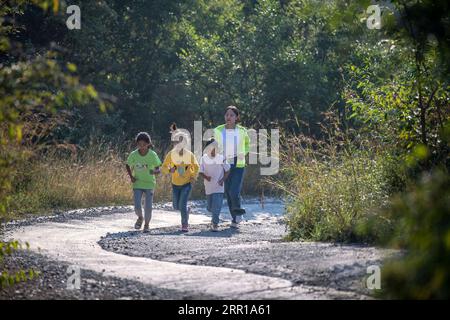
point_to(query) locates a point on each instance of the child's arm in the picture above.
(167, 164)
(130, 174)
(156, 170)
(202, 171)
(204, 176)
(225, 176)
(195, 166)
(156, 164)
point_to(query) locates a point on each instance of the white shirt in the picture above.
(214, 168)
(230, 139)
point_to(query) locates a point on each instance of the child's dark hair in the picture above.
(144, 136)
(234, 109)
(209, 142)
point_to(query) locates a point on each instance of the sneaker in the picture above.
(138, 223)
(239, 212)
(184, 228)
(214, 227)
(146, 228)
(235, 225)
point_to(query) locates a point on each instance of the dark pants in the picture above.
(233, 186)
(180, 195)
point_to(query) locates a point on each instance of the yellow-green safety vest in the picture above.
(243, 145)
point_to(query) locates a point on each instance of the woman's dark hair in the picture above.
(144, 136)
(234, 109)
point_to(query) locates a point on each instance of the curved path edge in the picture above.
(76, 242)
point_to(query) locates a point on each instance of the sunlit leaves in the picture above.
(29, 83)
(71, 67)
(7, 278)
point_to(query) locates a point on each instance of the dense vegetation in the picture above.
(364, 113)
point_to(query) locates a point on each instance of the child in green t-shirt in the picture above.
(142, 166)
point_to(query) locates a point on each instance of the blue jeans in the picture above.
(214, 205)
(180, 195)
(233, 187)
(137, 196)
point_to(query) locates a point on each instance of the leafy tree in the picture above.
(35, 83)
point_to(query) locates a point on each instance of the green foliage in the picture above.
(127, 50)
(405, 110)
(421, 226)
(335, 186)
(36, 84)
(398, 88)
(285, 64)
(7, 278)
(423, 230)
(278, 62)
(33, 85)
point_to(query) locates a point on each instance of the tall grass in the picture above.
(57, 180)
(334, 187)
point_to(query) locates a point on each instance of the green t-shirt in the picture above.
(141, 166)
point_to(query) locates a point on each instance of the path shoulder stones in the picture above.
(258, 248)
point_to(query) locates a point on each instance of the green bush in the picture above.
(334, 188)
(423, 229)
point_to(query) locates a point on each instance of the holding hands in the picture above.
(156, 170)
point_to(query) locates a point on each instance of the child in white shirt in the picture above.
(214, 170)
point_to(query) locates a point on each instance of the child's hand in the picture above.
(207, 178)
(133, 179)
